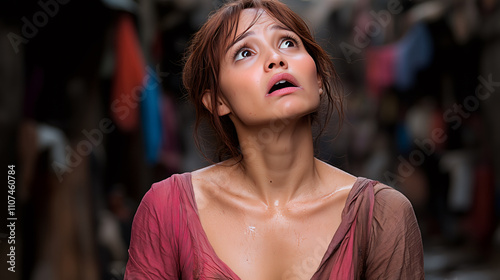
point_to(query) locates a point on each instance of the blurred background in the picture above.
(92, 112)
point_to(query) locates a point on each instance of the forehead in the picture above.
(254, 18)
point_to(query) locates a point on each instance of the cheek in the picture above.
(311, 67)
(241, 87)
(239, 97)
(307, 68)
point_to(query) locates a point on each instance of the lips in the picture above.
(282, 84)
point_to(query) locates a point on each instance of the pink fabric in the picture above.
(380, 65)
(378, 237)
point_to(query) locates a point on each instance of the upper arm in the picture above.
(152, 251)
(395, 246)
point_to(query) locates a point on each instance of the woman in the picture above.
(269, 209)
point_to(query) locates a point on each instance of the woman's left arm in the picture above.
(395, 247)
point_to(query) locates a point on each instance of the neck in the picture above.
(278, 164)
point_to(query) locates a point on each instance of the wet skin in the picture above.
(272, 215)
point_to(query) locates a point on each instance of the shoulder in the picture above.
(335, 178)
(395, 246)
(208, 181)
(174, 183)
(158, 229)
(214, 173)
(168, 192)
(390, 199)
(392, 209)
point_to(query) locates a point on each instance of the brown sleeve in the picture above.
(395, 247)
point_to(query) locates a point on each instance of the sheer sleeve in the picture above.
(153, 250)
(395, 246)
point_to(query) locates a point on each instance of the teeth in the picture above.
(280, 82)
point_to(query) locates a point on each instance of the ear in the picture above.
(222, 108)
(320, 85)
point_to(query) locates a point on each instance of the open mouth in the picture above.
(280, 85)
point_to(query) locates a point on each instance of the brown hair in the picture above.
(202, 66)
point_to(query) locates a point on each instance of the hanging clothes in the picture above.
(380, 63)
(128, 77)
(151, 117)
(170, 148)
(414, 52)
(123, 5)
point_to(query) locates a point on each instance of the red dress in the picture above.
(378, 237)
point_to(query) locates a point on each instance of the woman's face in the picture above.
(267, 74)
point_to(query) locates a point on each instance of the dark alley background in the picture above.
(92, 112)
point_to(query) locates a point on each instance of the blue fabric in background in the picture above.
(403, 139)
(151, 117)
(413, 53)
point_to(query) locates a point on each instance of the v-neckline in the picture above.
(333, 242)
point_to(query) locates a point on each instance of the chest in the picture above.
(278, 245)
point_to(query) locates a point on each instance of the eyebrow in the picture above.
(250, 33)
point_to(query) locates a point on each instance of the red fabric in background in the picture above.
(130, 70)
(380, 67)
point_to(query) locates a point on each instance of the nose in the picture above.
(275, 60)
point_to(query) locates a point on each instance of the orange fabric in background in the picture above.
(130, 70)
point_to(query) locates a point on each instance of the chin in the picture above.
(300, 109)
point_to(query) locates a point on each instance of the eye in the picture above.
(287, 43)
(242, 53)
